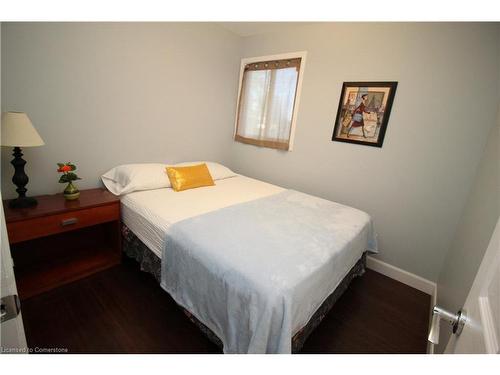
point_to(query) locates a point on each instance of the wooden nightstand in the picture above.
(60, 241)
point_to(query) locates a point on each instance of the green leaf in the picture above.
(63, 179)
(72, 166)
(60, 165)
(72, 176)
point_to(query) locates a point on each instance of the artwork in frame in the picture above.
(363, 112)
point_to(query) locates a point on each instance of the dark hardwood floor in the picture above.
(124, 310)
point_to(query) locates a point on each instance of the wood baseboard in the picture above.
(405, 277)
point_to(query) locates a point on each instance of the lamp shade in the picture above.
(18, 131)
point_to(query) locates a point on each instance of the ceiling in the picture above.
(254, 28)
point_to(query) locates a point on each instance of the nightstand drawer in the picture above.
(59, 223)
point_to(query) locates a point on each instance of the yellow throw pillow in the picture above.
(183, 178)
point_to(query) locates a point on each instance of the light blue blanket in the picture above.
(255, 272)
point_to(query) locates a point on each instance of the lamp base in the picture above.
(23, 202)
(20, 180)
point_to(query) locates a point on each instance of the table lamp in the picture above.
(17, 132)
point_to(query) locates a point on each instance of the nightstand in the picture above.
(59, 241)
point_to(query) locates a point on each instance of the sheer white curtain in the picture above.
(266, 107)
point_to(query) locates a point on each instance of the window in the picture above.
(268, 100)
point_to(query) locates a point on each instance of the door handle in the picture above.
(457, 322)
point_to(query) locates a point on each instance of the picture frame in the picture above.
(363, 112)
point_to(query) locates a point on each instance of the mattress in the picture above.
(150, 213)
(315, 244)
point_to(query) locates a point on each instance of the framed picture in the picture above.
(363, 112)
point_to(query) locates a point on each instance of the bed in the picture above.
(254, 265)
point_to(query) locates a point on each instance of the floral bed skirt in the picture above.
(134, 248)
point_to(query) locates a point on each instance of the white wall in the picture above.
(102, 94)
(415, 186)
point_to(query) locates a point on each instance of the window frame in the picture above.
(282, 56)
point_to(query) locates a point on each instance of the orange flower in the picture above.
(64, 168)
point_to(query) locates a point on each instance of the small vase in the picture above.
(71, 192)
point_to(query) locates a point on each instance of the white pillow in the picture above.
(132, 177)
(217, 171)
(148, 176)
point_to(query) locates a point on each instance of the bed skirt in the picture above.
(149, 262)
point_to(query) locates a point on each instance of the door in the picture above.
(481, 332)
(12, 338)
